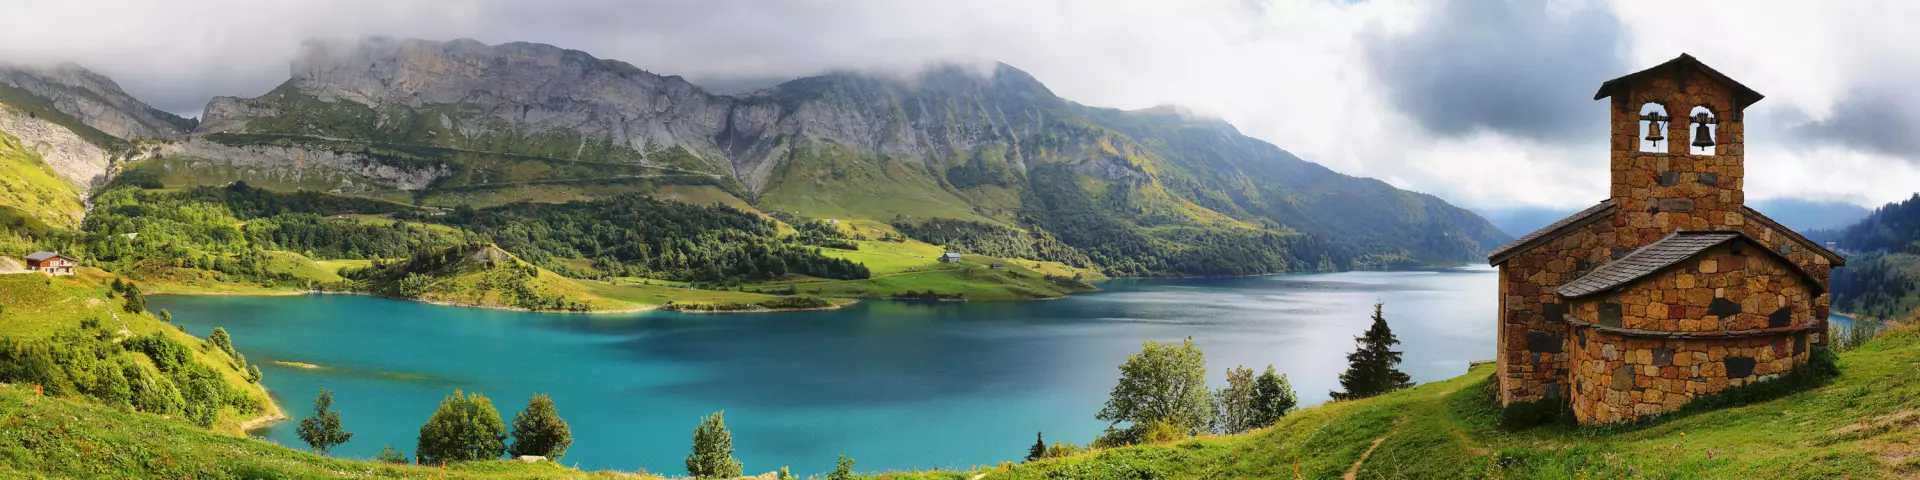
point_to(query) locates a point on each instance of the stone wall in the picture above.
(1532, 358)
(1621, 377)
(1802, 253)
(1660, 192)
(1728, 287)
(1655, 193)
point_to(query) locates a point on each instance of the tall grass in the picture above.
(1854, 334)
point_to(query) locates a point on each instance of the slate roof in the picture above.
(1652, 258)
(1549, 232)
(1745, 96)
(42, 255)
(1655, 256)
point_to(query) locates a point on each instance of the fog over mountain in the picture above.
(1352, 85)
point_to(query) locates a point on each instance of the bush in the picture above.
(389, 454)
(712, 455)
(539, 430)
(464, 428)
(842, 470)
(219, 339)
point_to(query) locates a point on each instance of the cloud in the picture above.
(1486, 103)
(1883, 121)
(1518, 68)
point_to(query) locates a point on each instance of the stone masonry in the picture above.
(1671, 288)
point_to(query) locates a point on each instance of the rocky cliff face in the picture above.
(962, 142)
(95, 100)
(71, 156)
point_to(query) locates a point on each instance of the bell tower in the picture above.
(1677, 149)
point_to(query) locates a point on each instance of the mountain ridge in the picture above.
(449, 123)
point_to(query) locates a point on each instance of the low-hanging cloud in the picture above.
(1517, 68)
(1483, 102)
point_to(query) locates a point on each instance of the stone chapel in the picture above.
(1671, 288)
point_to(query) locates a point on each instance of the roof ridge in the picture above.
(1501, 254)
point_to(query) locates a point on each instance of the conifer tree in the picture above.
(1371, 367)
(712, 455)
(1039, 449)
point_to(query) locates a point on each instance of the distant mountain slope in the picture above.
(1808, 215)
(451, 122)
(1882, 276)
(90, 98)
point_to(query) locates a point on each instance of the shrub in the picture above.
(323, 431)
(464, 428)
(539, 430)
(219, 339)
(712, 455)
(842, 470)
(389, 454)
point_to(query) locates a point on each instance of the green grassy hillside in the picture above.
(32, 196)
(43, 439)
(486, 276)
(1862, 425)
(38, 312)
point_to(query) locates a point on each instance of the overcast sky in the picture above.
(1484, 102)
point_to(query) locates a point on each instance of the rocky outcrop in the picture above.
(95, 100)
(384, 174)
(530, 89)
(83, 163)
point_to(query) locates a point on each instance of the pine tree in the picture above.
(1371, 367)
(322, 431)
(1039, 449)
(538, 430)
(712, 455)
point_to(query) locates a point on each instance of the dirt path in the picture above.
(1354, 472)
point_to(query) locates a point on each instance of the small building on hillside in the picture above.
(51, 263)
(1672, 288)
(949, 257)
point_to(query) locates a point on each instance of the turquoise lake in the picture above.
(895, 385)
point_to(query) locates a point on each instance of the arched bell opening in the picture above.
(1703, 126)
(1653, 127)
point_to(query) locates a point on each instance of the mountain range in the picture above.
(441, 124)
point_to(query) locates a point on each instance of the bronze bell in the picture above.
(1702, 136)
(1656, 127)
